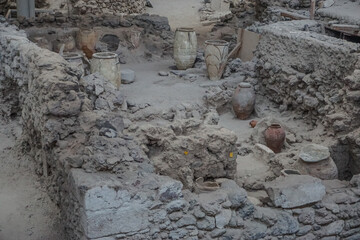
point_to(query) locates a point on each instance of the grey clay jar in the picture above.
(243, 101)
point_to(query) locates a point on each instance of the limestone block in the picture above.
(295, 191)
(262, 152)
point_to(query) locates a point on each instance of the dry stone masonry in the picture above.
(301, 80)
(109, 6)
(108, 189)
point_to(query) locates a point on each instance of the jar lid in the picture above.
(312, 153)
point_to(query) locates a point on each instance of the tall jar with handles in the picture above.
(216, 53)
(185, 48)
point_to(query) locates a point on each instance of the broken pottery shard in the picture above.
(295, 191)
(314, 153)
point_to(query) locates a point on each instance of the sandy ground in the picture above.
(182, 13)
(161, 92)
(26, 211)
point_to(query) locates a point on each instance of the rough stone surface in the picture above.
(196, 150)
(299, 81)
(106, 185)
(110, 7)
(295, 191)
(263, 152)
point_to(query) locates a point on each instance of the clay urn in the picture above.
(315, 160)
(243, 101)
(275, 137)
(185, 48)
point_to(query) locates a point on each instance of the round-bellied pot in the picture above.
(76, 60)
(185, 47)
(107, 63)
(216, 52)
(86, 38)
(243, 101)
(275, 137)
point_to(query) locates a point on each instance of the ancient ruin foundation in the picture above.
(138, 149)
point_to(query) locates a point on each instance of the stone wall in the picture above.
(115, 7)
(283, 3)
(311, 73)
(316, 76)
(106, 186)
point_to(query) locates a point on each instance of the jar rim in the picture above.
(275, 125)
(185, 29)
(217, 42)
(105, 55)
(69, 56)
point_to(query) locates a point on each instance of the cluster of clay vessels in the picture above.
(216, 56)
(243, 103)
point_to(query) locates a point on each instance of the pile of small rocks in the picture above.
(109, 6)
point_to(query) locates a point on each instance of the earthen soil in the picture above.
(26, 211)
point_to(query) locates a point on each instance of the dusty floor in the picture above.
(26, 211)
(160, 94)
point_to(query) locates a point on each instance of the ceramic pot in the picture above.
(202, 186)
(216, 52)
(67, 41)
(76, 60)
(107, 63)
(185, 47)
(275, 137)
(325, 169)
(86, 38)
(243, 101)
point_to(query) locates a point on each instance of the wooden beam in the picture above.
(312, 9)
(346, 27)
(8, 13)
(291, 15)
